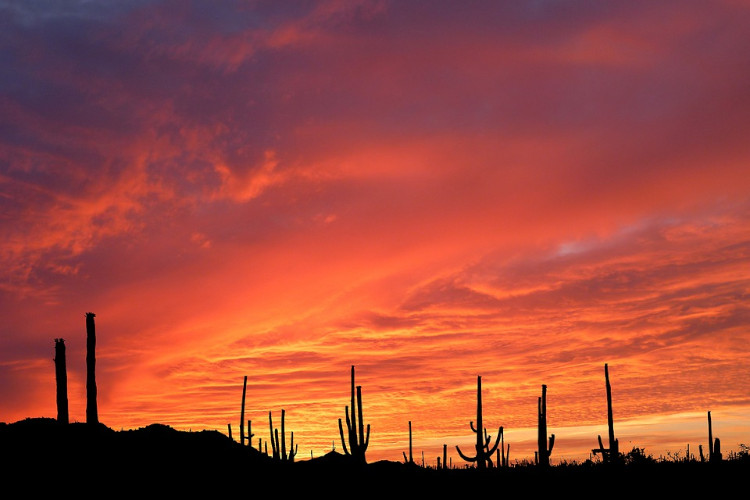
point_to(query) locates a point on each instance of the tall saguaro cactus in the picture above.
(410, 460)
(242, 415)
(611, 454)
(358, 442)
(544, 451)
(92, 414)
(278, 443)
(484, 453)
(61, 377)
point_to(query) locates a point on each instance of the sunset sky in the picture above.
(427, 190)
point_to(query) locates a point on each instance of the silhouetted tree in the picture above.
(92, 414)
(483, 456)
(357, 441)
(61, 376)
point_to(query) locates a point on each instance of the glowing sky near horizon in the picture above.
(430, 191)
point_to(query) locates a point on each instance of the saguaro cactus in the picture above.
(242, 414)
(544, 451)
(92, 414)
(358, 442)
(611, 454)
(483, 456)
(61, 376)
(278, 443)
(410, 460)
(714, 446)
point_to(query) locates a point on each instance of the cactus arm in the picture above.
(361, 420)
(343, 441)
(551, 444)
(497, 442)
(471, 424)
(468, 459)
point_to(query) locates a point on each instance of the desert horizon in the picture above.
(429, 191)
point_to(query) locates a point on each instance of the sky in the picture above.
(429, 191)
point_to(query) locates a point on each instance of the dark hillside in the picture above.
(44, 456)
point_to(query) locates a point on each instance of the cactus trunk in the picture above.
(92, 413)
(242, 414)
(410, 460)
(613, 443)
(61, 376)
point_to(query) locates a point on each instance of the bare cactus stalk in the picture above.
(92, 413)
(61, 376)
(242, 414)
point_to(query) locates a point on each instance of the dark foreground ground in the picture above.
(41, 457)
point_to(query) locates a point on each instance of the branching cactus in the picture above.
(544, 451)
(358, 441)
(611, 454)
(483, 456)
(278, 443)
